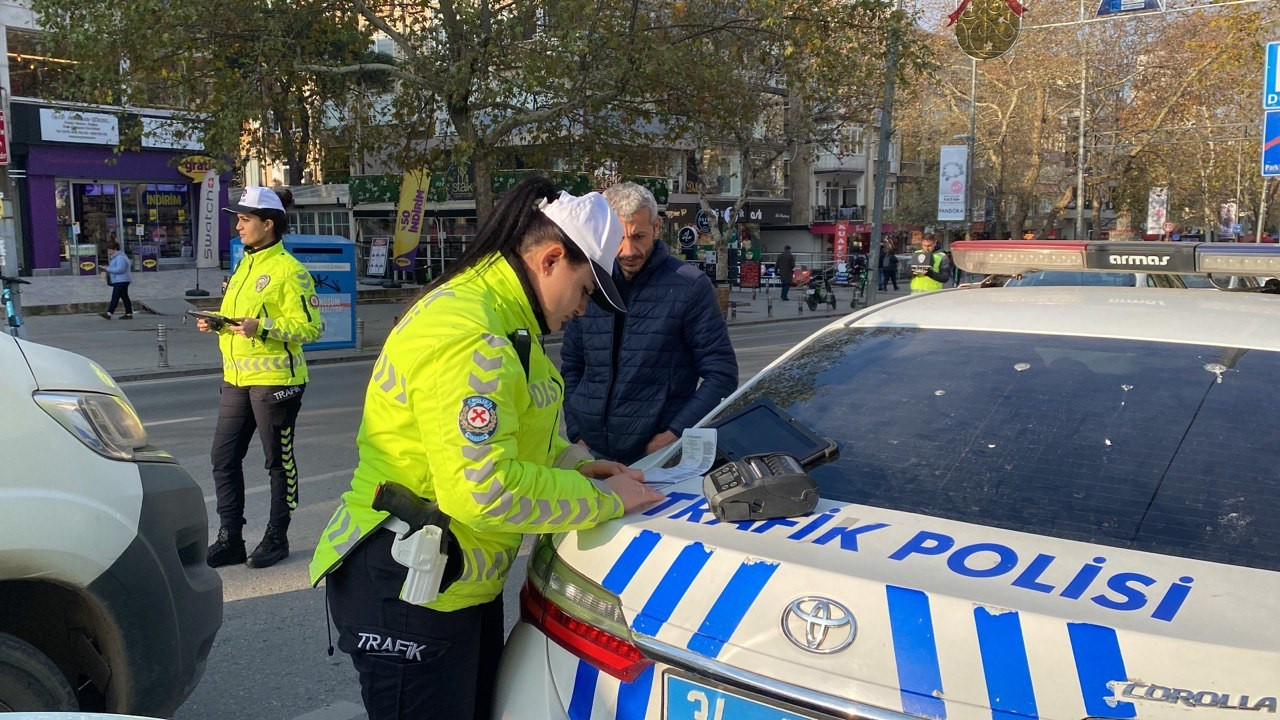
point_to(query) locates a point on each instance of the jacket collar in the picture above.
(514, 298)
(656, 259)
(275, 248)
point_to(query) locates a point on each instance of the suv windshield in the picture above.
(1152, 446)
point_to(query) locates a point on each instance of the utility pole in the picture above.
(1080, 130)
(970, 159)
(8, 238)
(882, 162)
(1262, 211)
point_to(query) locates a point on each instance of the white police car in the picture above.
(106, 603)
(1056, 502)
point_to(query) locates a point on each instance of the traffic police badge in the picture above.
(479, 418)
(263, 281)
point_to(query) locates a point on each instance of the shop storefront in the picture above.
(76, 193)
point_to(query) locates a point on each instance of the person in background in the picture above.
(118, 277)
(634, 383)
(936, 276)
(888, 265)
(786, 269)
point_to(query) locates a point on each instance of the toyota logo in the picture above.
(819, 625)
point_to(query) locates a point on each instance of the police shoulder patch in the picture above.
(313, 301)
(263, 281)
(478, 420)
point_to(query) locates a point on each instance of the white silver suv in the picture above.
(106, 603)
(1049, 502)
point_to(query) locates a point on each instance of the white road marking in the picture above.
(337, 711)
(308, 479)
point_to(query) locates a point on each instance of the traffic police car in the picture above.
(1048, 502)
(106, 603)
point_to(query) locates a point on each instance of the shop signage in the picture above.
(196, 166)
(150, 255)
(159, 199)
(378, 256)
(840, 247)
(4, 139)
(169, 134)
(750, 274)
(413, 199)
(73, 126)
(207, 237)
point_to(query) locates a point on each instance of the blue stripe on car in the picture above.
(732, 605)
(916, 653)
(615, 581)
(1004, 662)
(1099, 662)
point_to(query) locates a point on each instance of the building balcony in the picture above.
(828, 213)
(828, 163)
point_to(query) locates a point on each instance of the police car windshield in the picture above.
(1144, 445)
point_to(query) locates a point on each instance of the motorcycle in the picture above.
(819, 291)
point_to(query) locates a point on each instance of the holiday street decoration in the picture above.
(986, 29)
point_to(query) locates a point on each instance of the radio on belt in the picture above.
(760, 487)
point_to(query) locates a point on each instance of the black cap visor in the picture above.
(239, 209)
(606, 294)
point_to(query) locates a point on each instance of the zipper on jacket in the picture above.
(231, 347)
(615, 349)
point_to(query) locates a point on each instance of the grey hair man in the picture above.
(633, 384)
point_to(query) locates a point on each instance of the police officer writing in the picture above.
(273, 310)
(464, 410)
(928, 279)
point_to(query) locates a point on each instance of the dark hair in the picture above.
(113, 245)
(515, 225)
(279, 220)
(787, 247)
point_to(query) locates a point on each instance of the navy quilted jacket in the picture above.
(621, 391)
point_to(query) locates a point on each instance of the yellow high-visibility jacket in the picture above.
(272, 286)
(450, 414)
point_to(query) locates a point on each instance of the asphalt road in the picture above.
(270, 660)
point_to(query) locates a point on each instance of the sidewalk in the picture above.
(128, 349)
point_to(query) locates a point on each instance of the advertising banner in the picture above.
(750, 274)
(952, 170)
(841, 244)
(1227, 219)
(377, 266)
(1157, 209)
(207, 234)
(413, 198)
(150, 255)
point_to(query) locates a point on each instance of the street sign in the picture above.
(1115, 7)
(1237, 229)
(1271, 88)
(1271, 144)
(1167, 227)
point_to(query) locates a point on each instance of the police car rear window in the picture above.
(1152, 446)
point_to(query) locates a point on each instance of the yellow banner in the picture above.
(413, 198)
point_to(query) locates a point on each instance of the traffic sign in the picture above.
(1114, 7)
(1271, 87)
(1271, 144)
(1236, 229)
(1167, 227)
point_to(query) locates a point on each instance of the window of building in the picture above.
(33, 70)
(320, 222)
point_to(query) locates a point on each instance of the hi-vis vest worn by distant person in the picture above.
(272, 286)
(451, 413)
(924, 283)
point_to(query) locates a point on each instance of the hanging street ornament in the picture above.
(986, 29)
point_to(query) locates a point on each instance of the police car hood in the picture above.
(944, 619)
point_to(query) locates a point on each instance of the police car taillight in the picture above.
(579, 615)
(1012, 257)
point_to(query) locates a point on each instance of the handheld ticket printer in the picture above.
(422, 541)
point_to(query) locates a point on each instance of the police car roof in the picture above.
(1198, 317)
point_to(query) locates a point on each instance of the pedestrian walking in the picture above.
(118, 277)
(786, 268)
(273, 311)
(934, 277)
(888, 265)
(463, 410)
(632, 386)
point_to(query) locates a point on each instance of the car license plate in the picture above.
(688, 700)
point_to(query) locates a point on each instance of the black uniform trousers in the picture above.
(413, 662)
(271, 411)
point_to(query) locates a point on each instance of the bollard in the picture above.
(800, 307)
(769, 304)
(733, 311)
(162, 342)
(359, 333)
(753, 294)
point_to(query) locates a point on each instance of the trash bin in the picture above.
(331, 260)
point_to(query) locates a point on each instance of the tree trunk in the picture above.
(480, 161)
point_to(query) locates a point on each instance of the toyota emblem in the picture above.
(819, 625)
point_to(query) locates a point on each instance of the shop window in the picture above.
(33, 70)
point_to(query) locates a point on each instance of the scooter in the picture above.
(819, 291)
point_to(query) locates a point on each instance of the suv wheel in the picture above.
(29, 681)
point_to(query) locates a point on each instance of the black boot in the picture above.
(273, 548)
(228, 549)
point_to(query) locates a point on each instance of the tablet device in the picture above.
(763, 427)
(213, 317)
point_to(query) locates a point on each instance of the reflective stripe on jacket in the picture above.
(450, 414)
(272, 286)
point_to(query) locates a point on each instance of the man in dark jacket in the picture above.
(786, 269)
(632, 381)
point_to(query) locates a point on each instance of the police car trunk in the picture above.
(1048, 502)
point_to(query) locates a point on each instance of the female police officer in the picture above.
(463, 410)
(272, 301)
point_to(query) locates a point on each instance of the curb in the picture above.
(378, 296)
(136, 375)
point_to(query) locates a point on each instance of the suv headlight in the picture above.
(107, 424)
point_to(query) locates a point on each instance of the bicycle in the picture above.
(14, 326)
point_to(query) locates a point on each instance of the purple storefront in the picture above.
(79, 193)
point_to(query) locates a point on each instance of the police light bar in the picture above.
(1014, 257)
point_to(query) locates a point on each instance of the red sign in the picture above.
(841, 249)
(750, 274)
(4, 140)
